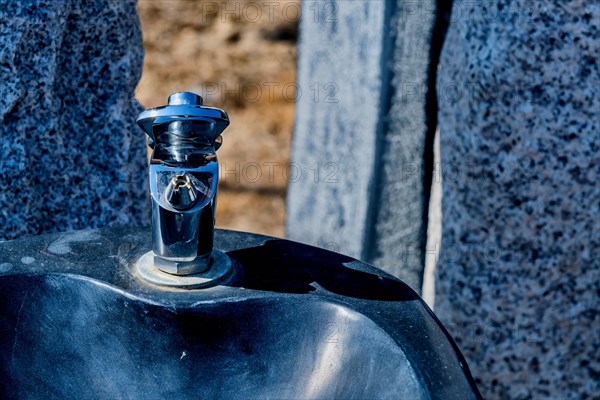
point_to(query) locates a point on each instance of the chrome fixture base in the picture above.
(198, 265)
(218, 269)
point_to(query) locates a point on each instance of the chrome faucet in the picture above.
(184, 136)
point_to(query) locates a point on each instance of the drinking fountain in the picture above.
(184, 137)
(182, 310)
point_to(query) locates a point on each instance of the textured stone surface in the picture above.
(370, 141)
(335, 131)
(401, 203)
(71, 155)
(518, 278)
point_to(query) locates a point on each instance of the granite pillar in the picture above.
(518, 276)
(363, 141)
(71, 155)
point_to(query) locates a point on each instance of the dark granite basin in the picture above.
(293, 322)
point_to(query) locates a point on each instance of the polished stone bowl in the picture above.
(292, 321)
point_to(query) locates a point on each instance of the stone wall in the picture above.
(240, 56)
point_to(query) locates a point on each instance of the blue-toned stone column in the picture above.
(362, 150)
(71, 156)
(518, 276)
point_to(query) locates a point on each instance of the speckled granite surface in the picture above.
(71, 156)
(518, 277)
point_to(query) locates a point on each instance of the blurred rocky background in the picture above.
(240, 56)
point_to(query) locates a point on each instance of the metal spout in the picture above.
(184, 137)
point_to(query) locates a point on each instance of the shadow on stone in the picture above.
(284, 266)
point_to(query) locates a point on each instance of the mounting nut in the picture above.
(200, 264)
